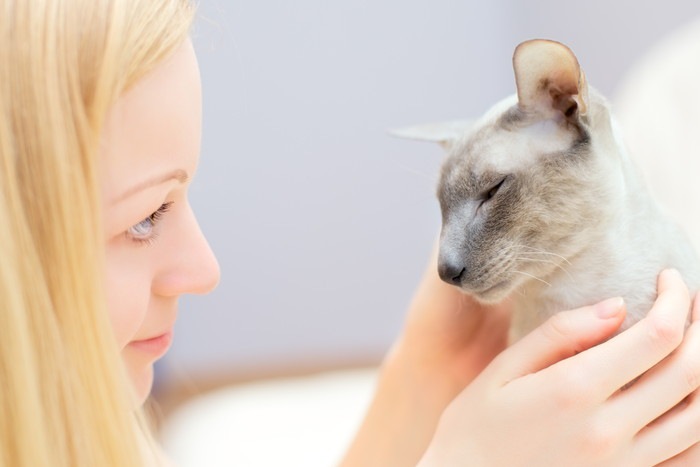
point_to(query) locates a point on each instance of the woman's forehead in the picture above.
(155, 127)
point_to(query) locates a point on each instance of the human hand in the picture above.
(447, 340)
(551, 399)
(448, 337)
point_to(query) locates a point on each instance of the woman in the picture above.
(99, 135)
(68, 279)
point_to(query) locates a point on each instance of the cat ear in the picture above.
(444, 133)
(549, 79)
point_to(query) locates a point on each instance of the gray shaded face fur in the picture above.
(510, 196)
(520, 191)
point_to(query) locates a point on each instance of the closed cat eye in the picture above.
(492, 192)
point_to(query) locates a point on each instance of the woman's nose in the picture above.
(190, 266)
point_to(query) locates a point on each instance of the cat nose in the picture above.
(451, 272)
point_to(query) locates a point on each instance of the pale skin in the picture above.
(155, 251)
(449, 391)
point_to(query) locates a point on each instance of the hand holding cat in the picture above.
(553, 399)
(447, 340)
(449, 336)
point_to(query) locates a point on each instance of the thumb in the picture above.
(561, 336)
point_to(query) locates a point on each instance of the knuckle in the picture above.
(557, 327)
(689, 361)
(664, 334)
(601, 439)
(690, 375)
(573, 391)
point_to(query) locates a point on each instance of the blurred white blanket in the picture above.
(307, 421)
(658, 108)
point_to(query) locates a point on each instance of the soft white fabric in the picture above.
(305, 422)
(658, 108)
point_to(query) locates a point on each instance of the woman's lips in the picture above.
(155, 346)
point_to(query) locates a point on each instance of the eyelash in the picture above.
(153, 220)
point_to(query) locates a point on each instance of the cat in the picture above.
(540, 201)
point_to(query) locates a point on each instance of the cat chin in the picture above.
(493, 294)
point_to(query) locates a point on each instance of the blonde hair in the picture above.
(64, 396)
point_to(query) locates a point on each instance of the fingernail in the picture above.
(610, 307)
(672, 272)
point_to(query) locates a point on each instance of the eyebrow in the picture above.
(177, 174)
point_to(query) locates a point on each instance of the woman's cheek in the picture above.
(128, 294)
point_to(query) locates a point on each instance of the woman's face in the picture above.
(155, 249)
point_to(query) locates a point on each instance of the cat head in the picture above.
(520, 190)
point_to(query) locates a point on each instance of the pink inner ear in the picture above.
(548, 77)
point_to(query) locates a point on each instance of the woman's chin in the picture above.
(142, 382)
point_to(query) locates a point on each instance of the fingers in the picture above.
(695, 315)
(678, 433)
(629, 354)
(674, 435)
(560, 337)
(691, 456)
(662, 388)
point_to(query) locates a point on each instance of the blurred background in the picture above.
(322, 223)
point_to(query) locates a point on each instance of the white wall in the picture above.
(321, 222)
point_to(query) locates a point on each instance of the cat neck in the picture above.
(614, 255)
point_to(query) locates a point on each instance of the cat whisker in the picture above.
(539, 260)
(533, 277)
(544, 261)
(543, 252)
(520, 292)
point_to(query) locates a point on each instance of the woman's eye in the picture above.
(142, 229)
(145, 231)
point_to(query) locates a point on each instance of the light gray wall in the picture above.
(321, 222)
